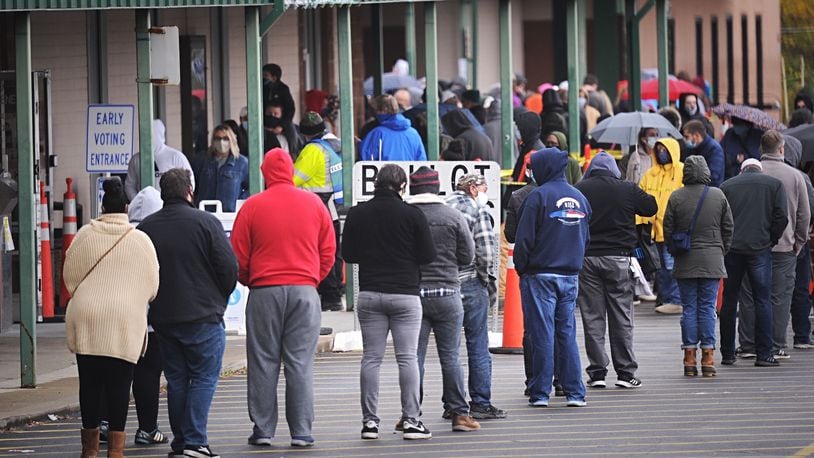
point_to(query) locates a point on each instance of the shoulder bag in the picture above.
(681, 242)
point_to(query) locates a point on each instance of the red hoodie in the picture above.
(283, 235)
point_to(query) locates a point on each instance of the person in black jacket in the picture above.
(760, 214)
(198, 273)
(275, 90)
(606, 282)
(390, 240)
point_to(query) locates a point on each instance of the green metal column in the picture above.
(346, 122)
(572, 40)
(474, 38)
(431, 64)
(582, 18)
(378, 47)
(506, 88)
(409, 38)
(145, 98)
(634, 88)
(661, 32)
(26, 206)
(606, 45)
(254, 95)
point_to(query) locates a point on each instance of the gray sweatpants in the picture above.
(380, 313)
(784, 271)
(606, 289)
(282, 325)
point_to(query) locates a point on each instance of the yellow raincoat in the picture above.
(660, 182)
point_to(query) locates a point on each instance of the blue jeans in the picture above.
(548, 303)
(475, 300)
(192, 353)
(801, 300)
(444, 316)
(698, 298)
(666, 285)
(758, 267)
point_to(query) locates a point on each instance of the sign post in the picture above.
(109, 138)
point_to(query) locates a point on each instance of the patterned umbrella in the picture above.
(759, 118)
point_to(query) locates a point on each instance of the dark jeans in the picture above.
(147, 383)
(444, 316)
(665, 283)
(193, 353)
(801, 299)
(330, 288)
(104, 384)
(758, 268)
(476, 308)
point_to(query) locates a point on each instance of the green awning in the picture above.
(56, 5)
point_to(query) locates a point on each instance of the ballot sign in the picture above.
(109, 138)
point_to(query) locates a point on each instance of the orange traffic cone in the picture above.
(512, 312)
(45, 256)
(68, 234)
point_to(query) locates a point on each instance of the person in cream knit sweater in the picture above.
(111, 271)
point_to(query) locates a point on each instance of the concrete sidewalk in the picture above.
(57, 390)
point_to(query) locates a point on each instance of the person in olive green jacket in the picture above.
(558, 139)
(699, 270)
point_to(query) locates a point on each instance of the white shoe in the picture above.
(669, 309)
(647, 297)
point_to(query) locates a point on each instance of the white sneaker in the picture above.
(669, 309)
(647, 297)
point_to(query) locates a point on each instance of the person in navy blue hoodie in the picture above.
(698, 142)
(552, 236)
(394, 139)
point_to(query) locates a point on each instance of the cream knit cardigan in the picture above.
(107, 314)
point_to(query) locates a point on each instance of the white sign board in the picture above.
(234, 318)
(165, 62)
(364, 175)
(109, 138)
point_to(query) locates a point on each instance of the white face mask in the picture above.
(724, 127)
(221, 146)
(482, 199)
(692, 110)
(651, 142)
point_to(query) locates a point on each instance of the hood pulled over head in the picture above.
(696, 170)
(548, 164)
(603, 162)
(277, 167)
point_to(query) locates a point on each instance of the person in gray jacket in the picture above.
(794, 238)
(699, 270)
(440, 292)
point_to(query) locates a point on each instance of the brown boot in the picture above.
(90, 443)
(464, 423)
(115, 444)
(708, 362)
(690, 363)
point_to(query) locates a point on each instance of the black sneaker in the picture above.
(399, 426)
(628, 381)
(332, 306)
(149, 438)
(740, 352)
(769, 362)
(414, 429)
(596, 382)
(370, 430)
(728, 360)
(558, 390)
(103, 428)
(486, 412)
(447, 415)
(201, 451)
(781, 354)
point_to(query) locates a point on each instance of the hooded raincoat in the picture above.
(393, 139)
(660, 182)
(165, 157)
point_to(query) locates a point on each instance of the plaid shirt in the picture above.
(480, 224)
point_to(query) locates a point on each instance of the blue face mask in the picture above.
(663, 157)
(690, 144)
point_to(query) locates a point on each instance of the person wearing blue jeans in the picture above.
(552, 236)
(198, 273)
(698, 297)
(549, 301)
(669, 297)
(476, 307)
(193, 353)
(757, 267)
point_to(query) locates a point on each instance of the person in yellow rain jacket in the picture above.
(318, 169)
(664, 177)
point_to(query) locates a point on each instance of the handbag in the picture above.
(681, 242)
(102, 257)
(646, 251)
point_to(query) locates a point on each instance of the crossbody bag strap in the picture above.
(697, 211)
(103, 257)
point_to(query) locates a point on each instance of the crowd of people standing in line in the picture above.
(427, 264)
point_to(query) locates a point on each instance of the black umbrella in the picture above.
(804, 133)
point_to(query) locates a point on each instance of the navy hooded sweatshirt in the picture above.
(552, 234)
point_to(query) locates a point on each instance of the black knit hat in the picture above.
(424, 180)
(312, 124)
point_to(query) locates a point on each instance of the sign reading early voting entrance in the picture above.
(110, 138)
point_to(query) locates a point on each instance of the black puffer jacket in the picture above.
(476, 144)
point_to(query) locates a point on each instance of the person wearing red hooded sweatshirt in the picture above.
(284, 242)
